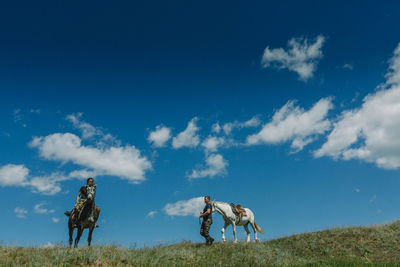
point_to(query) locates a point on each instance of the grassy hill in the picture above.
(353, 246)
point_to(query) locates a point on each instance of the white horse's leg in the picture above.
(255, 231)
(223, 231)
(246, 227)
(234, 232)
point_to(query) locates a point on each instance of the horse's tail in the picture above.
(258, 228)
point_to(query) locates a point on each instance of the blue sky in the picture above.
(291, 109)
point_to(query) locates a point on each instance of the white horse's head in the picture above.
(214, 204)
(91, 192)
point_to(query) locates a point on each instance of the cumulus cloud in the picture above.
(47, 185)
(370, 133)
(87, 129)
(216, 128)
(18, 175)
(39, 208)
(20, 212)
(187, 138)
(191, 207)
(160, 136)
(13, 175)
(91, 132)
(55, 220)
(230, 126)
(122, 161)
(393, 74)
(212, 143)
(215, 165)
(301, 56)
(293, 123)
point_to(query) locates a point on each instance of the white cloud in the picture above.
(212, 143)
(191, 207)
(151, 214)
(393, 75)
(39, 208)
(90, 132)
(371, 132)
(18, 175)
(121, 161)
(293, 123)
(215, 165)
(216, 128)
(230, 126)
(20, 212)
(301, 56)
(87, 129)
(13, 175)
(160, 136)
(55, 220)
(187, 138)
(47, 185)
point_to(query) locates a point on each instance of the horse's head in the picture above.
(91, 192)
(213, 204)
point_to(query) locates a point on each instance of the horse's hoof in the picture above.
(257, 240)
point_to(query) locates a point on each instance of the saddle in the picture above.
(238, 210)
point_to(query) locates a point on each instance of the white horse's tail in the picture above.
(258, 228)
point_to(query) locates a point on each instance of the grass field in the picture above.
(353, 246)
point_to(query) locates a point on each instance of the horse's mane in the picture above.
(220, 202)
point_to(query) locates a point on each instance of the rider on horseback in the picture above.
(81, 200)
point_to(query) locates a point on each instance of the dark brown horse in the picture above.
(83, 222)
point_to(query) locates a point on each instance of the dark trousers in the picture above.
(205, 229)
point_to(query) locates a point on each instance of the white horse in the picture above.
(230, 218)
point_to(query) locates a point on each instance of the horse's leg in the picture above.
(71, 232)
(246, 228)
(78, 236)
(234, 232)
(89, 240)
(255, 231)
(223, 231)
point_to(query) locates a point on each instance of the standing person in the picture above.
(207, 221)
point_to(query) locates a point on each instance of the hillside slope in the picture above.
(353, 246)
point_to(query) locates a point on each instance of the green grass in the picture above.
(353, 246)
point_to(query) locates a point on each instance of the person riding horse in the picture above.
(85, 213)
(81, 199)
